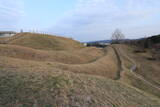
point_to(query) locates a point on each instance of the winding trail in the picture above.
(119, 64)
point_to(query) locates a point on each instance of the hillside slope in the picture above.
(146, 74)
(64, 89)
(45, 42)
(49, 71)
(103, 66)
(84, 55)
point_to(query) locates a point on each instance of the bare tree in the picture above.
(117, 36)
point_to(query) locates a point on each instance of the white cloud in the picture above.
(11, 11)
(95, 19)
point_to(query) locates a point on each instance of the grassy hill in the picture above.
(45, 42)
(48, 71)
(83, 55)
(105, 65)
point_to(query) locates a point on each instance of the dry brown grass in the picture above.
(84, 55)
(45, 42)
(147, 70)
(65, 89)
(103, 66)
(80, 60)
(3, 38)
(65, 74)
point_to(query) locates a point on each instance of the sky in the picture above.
(83, 20)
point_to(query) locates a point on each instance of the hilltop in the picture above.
(44, 42)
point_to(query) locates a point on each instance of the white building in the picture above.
(7, 33)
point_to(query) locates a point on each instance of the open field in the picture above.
(45, 71)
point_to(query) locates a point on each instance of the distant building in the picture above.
(104, 44)
(7, 33)
(97, 44)
(85, 44)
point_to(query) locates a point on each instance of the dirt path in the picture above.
(96, 59)
(119, 64)
(133, 66)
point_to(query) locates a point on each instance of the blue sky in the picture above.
(82, 20)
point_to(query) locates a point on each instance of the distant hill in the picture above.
(100, 41)
(149, 42)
